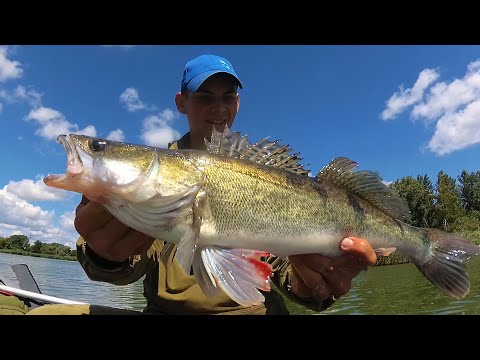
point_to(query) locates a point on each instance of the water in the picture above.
(66, 279)
(383, 290)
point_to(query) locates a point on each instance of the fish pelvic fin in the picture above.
(238, 272)
(265, 152)
(189, 241)
(445, 265)
(366, 185)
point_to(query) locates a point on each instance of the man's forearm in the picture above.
(118, 273)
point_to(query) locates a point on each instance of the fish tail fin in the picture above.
(444, 264)
(238, 272)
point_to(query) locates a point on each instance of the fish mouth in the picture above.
(74, 163)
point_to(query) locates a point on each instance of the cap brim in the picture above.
(197, 81)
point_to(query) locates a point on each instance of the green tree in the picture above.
(56, 249)
(448, 208)
(36, 247)
(418, 193)
(470, 190)
(19, 242)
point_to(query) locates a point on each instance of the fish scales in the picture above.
(226, 207)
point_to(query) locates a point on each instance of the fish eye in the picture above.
(97, 145)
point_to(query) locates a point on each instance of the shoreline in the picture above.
(47, 256)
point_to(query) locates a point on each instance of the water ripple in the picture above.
(382, 290)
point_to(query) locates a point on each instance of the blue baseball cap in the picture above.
(202, 67)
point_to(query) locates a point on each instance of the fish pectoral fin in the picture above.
(238, 272)
(188, 244)
(186, 250)
(385, 251)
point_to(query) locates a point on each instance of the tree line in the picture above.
(22, 243)
(451, 205)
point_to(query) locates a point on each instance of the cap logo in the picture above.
(224, 64)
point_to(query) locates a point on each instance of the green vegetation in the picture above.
(20, 245)
(451, 206)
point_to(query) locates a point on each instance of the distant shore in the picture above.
(27, 253)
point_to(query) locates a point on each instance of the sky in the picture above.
(399, 110)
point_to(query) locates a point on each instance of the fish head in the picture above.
(97, 167)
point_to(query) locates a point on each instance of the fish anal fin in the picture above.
(385, 251)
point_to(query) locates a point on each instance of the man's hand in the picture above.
(106, 236)
(319, 277)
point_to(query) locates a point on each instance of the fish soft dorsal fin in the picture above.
(271, 153)
(365, 184)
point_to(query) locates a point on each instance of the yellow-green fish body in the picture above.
(227, 206)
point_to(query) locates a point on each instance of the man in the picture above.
(112, 252)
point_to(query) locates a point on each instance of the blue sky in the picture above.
(398, 110)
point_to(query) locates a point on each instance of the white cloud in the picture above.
(17, 212)
(130, 99)
(88, 130)
(67, 220)
(8, 69)
(456, 131)
(53, 123)
(116, 135)
(157, 130)
(407, 97)
(453, 107)
(446, 98)
(20, 217)
(30, 190)
(21, 94)
(31, 96)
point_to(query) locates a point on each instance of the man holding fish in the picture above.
(113, 252)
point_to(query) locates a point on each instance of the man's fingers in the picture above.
(338, 280)
(360, 249)
(83, 202)
(298, 286)
(131, 239)
(91, 217)
(143, 247)
(307, 282)
(105, 239)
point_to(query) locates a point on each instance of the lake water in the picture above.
(383, 290)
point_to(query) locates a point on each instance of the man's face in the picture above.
(215, 103)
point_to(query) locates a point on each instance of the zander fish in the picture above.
(229, 205)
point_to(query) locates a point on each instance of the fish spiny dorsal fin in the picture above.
(271, 153)
(365, 184)
(229, 143)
